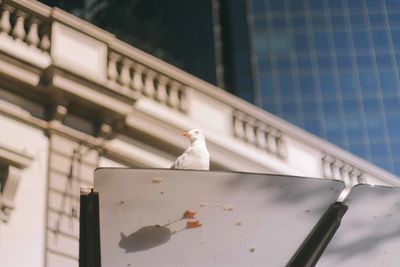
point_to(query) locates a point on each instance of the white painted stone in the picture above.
(78, 53)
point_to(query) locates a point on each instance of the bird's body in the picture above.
(196, 156)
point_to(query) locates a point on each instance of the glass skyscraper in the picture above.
(332, 68)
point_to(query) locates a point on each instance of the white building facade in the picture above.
(73, 98)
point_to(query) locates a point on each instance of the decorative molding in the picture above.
(259, 133)
(11, 165)
(14, 158)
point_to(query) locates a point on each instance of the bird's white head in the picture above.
(194, 135)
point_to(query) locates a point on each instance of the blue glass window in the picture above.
(277, 6)
(318, 21)
(368, 81)
(355, 129)
(266, 82)
(321, 41)
(264, 65)
(393, 123)
(384, 61)
(344, 62)
(351, 106)
(304, 64)
(338, 22)
(307, 87)
(396, 38)
(299, 22)
(395, 147)
(279, 23)
(260, 23)
(334, 4)
(375, 127)
(301, 42)
(376, 20)
(330, 108)
(296, 5)
(380, 39)
(357, 21)
(388, 83)
(313, 126)
(355, 4)
(327, 86)
(310, 109)
(325, 63)
(379, 151)
(359, 149)
(284, 65)
(258, 7)
(394, 19)
(286, 89)
(392, 104)
(372, 105)
(360, 39)
(341, 40)
(348, 85)
(316, 5)
(364, 61)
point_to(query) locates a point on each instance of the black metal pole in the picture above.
(314, 245)
(89, 231)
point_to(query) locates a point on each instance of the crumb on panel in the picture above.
(157, 180)
(252, 249)
(238, 223)
(227, 208)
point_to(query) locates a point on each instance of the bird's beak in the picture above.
(187, 134)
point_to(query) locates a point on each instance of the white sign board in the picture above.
(203, 218)
(369, 234)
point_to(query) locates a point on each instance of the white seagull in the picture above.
(196, 156)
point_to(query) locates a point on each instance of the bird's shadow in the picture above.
(145, 238)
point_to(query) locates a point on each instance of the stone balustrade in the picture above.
(334, 168)
(127, 75)
(259, 134)
(30, 28)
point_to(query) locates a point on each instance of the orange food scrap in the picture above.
(189, 214)
(193, 224)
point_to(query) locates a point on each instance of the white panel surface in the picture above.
(246, 219)
(369, 234)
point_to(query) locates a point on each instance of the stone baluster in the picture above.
(271, 141)
(345, 174)
(282, 149)
(161, 92)
(33, 32)
(5, 22)
(238, 125)
(19, 28)
(249, 131)
(45, 40)
(336, 169)
(149, 88)
(182, 99)
(173, 97)
(125, 76)
(112, 71)
(327, 166)
(137, 81)
(260, 135)
(356, 176)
